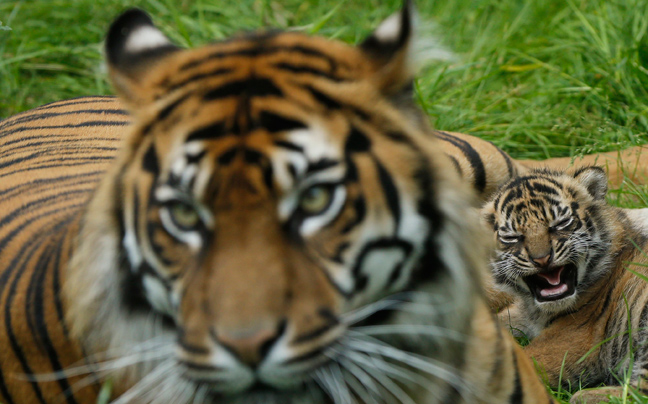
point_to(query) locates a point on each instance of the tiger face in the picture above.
(281, 220)
(551, 234)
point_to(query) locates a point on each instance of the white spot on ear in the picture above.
(390, 29)
(144, 38)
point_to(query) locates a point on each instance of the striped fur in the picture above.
(184, 253)
(567, 256)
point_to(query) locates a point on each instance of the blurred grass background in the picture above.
(538, 78)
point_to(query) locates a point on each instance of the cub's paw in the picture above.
(600, 395)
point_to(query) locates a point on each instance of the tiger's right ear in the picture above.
(133, 46)
(593, 178)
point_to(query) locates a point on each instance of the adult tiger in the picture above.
(565, 254)
(272, 228)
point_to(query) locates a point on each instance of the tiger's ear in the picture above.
(389, 48)
(593, 178)
(133, 46)
(396, 51)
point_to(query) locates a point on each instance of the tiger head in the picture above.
(552, 235)
(278, 227)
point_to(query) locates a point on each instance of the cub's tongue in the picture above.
(558, 290)
(553, 277)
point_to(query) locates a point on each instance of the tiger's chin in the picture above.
(554, 288)
(269, 395)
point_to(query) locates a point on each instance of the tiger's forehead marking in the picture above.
(533, 199)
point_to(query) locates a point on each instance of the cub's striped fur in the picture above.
(568, 258)
(267, 224)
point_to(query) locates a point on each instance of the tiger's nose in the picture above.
(250, 346)
(543, 261)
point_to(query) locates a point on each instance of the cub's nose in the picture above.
(249, 346)
(543, 261)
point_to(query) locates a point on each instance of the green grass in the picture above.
(538, 78)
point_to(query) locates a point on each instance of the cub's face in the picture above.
(281, 215)
(551, 235)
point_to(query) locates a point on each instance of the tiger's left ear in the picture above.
(390, 49)
(133, 46)
(397, 49)
(593, 178)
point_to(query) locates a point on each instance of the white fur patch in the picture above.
(144, 38)
(638, 218)
(390, 29)
(157, 294)
(132, 250)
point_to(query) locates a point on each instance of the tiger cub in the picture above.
(270, 226)
(568, 257)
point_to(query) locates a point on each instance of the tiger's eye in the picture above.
(315, 199)
(184, 215)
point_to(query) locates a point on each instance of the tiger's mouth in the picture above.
(554, 283)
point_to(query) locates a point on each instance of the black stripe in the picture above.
(516, 396)
(288, 145)
(455, 162)
(380, 244)
(264, 49)
(4, 390)
(87, 124)
(150, 161)
(251, 87)
(47, 115)
(211, 132)
(217, 72)
(274, 123)
(56, 286)
(307, 70)
(390, 192)
(85, 99)
(40, 324)
(512, 172)
(357, 142)
(320, 165)
(166, 111)
(323, 99)
(71, 139)
(27, 251)
(471, 155)
(195, 159)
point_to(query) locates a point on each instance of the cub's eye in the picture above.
(563, 224)
(183, 215)
(316, 199)
(509, 238)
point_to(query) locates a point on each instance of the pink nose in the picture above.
(250, 347)
(543, 261)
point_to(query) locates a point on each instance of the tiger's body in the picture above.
(252, 230)
(567, 256)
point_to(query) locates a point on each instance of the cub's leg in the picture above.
(562, 351)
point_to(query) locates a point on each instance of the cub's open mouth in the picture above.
(554, 283)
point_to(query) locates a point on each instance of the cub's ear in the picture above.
(133, 46)
(396, 52)
(593, 178)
